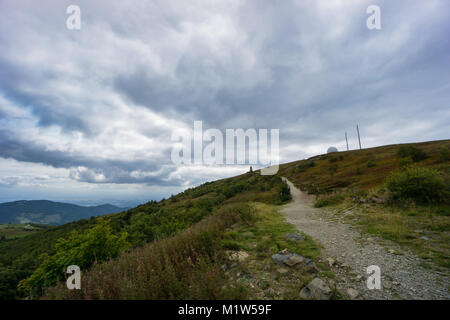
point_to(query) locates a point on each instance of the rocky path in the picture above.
(402, 277)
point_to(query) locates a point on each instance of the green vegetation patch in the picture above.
(260, 241)
(185, 266)
(419, 184)
(144, 225)
(412, 152)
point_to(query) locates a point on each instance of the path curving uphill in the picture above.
(402, 276)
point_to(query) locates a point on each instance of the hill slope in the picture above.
(182, 237)
(351, 186)
(49, 212)
(359, 169)
(144, 224)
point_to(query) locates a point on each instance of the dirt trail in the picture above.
(402, 277)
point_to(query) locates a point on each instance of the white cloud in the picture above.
(99, 105)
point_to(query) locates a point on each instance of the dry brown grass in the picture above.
(185, 266)
(353, 171)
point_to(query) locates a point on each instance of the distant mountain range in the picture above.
(49, 212)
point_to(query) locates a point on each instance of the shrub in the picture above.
(444, 155)
(228, 191)
(185, 266)
(231, 245)
(284, 192)
(371, 164)
(97, 244)
(333, 168)
(404, 163)
(205, 203)
(443, 211)
(414, 153)
(302, 167)
(334, 159)
(419, 184)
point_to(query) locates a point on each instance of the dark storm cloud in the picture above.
(89, 169)
(137, 71)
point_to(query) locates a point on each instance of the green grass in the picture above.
(19, 230)
(404, 224)
(271, 230)
(262, 239)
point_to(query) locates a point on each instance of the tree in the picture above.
(97, 244)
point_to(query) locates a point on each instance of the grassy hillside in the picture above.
(359, 169)
(227, 255)
(188, 246)
(143, 224)
(353, 186)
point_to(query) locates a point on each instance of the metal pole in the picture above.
(359, 139)
(346, 139)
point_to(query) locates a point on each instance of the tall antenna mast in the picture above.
(346, 139)
(359, 139)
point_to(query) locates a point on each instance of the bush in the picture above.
(97, 244)
(415, 154)
(419, 184)
(185, 266)
(333, 168)
(284, 192)
(302, 167)
(228, 191)
(371, 164)
(443, 211)
(444, 155)
(404, 163)
(231, 245)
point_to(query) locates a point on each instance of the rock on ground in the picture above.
(317, 289)
(238, 256)
(352, 293)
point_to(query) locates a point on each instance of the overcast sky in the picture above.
(87, 115)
